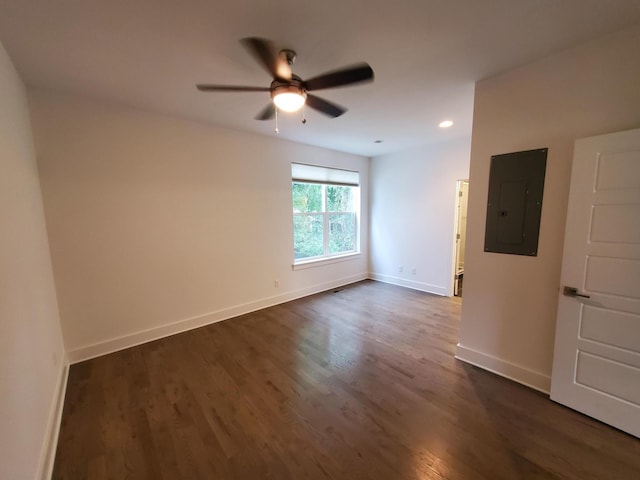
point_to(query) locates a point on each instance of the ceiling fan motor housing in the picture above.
(288, 86)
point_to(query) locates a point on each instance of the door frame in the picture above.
(456, 224)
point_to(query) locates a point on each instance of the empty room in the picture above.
(333, 240)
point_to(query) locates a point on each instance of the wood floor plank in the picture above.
(357, 383)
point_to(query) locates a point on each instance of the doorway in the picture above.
(462, 197)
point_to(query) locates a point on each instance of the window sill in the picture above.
(319, 262)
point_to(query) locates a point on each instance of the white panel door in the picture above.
(596, 365)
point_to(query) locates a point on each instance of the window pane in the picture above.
(307, 197)
(339, 198)
(307, 236)
(342, 232)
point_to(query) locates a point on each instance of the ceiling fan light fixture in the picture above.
(289, 101)
(289, 98)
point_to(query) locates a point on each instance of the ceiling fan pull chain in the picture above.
(277, 131)
(304, 120)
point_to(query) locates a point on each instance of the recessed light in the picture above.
(445, 124)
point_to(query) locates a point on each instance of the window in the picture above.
(325, 212)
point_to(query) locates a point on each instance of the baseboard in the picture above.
(517, 373)
(48, 454)
(423, 287)
(126, 341)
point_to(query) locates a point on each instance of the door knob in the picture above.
(573, 292)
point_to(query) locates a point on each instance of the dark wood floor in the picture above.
(356, 384)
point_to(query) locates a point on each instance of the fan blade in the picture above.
(265, 53)
(267, 112)
(230, 88)
(361, 72)
(324, 106)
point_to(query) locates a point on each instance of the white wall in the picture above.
(160, 224)
(412, 208)
(509, 306)
(32, 362)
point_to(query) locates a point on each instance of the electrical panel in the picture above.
(514, 206)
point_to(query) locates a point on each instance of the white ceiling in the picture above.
(426, 55)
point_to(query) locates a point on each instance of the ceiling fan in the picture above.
(288, 91)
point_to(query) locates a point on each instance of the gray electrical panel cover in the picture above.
(514, 206)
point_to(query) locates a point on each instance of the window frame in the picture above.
(327, 257)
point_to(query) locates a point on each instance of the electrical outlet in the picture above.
(413, 271)
(276, 283)
(400, 268)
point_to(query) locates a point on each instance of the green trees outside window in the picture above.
(324, 220)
